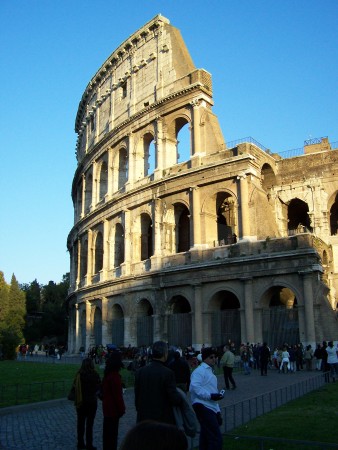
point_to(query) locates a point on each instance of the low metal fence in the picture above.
(21, 393)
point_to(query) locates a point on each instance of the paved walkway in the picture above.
(52, 425)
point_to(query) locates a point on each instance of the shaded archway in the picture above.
(225, 212)
(122, 168)
(298, 217)
(334, 217)
(118, 245)
(268, 177)
(117, 326)
(280, 317)
(144, 323)
(182, 230)
(183, 137)
(103, 188)
(98, 253)
(82, 330)
(225, 318)
(146, 236)
(88, 192)
(98, 326)
(84, 258)
(179, 322)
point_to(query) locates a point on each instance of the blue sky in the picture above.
(274, 66)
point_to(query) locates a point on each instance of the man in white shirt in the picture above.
(204, 396)
(332, 360)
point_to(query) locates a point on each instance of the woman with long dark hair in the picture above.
(87, 383)
(112, 402)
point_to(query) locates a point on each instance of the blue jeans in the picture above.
(246, 367)
(210, 435)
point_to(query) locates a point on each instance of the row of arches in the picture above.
(130, 162)
(222, 320)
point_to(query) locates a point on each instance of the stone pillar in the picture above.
(196, 216)
(88, 325)
(110, 173)
(127, 243)
(197, 335)
(94, 186)
(90, 257)
(82, 212)
(104, 311)
(196, 119)
(105, 267)
(157, 226)
(159, 157)
(308, 307)
(249, 322)
(131, 157)
(244, 207)
(78, 268)
(77, 329)
(157, 330)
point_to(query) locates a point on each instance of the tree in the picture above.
(33, 296)
(13, 301)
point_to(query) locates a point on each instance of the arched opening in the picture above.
(144, 323)
(84, 258)
(182, 230)
(183, 137)
(123, 168)
(88, 193)
(334, 217)
(98, 326)
(98, 253)
(103, 180)
(225, 212)
(79, 200)
(268, 177)
(149, 152)
(117, 326)
(179, 322)
(280, 317)
(225, 323)
(118, 245)
(146, 237)
(298, 217)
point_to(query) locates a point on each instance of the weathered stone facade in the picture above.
(233, 243)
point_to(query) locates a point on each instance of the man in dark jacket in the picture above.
(155, 388)
(181, 369)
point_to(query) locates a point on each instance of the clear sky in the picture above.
(274, 66)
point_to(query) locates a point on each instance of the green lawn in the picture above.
(311, 418)
(27, 382)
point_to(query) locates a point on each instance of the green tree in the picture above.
(4, 300)
(33, 296)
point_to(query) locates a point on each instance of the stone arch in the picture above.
(268, 177)
(224, 318)
(280, 322)
(182, 227)
(219, 217)
(98, 326)
(123, 167)
(83, 331)
(98, 255)
(118, 245)
(179, 321)
(149, 154)
(117, 325)
(144, 325)
(298, 216)
(88, 191)
(333, 207)
(79, 198)
(146, 227)
(103, 180)
(84, 257)
(180, 124)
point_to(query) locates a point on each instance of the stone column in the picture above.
(78, 268)
(197, 335)
(90, 257)
(104, 311)
(127, 243)
(308, 307)
(82, 212)
(77, 329)
(110, 173)
(244, 206)
(159, 157)
(88, 325)
(196, 119)
(196, 216)
(94, 186)
(249, 322)
(157, 330)
(105, 267)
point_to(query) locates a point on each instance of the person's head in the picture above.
(160, 351)
(113, 363)
(226, 348)
(87, 365)
(177, 356)
(330, 344)
(209, 356)
(151, 435)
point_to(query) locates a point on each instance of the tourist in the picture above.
(181, 369)
(155, 388)
(308, 355)
(152, 435)
(204, 397)
(264, 357)
(318, 355)
(86, 403)
(113, 406)
(332, 360)
(227, 363)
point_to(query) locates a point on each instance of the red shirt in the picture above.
(113, 403)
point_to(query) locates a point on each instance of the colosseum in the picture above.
(181, 236)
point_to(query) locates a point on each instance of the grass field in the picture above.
(27, 382)
(310, 418)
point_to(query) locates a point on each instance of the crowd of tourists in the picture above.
(166, 415)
